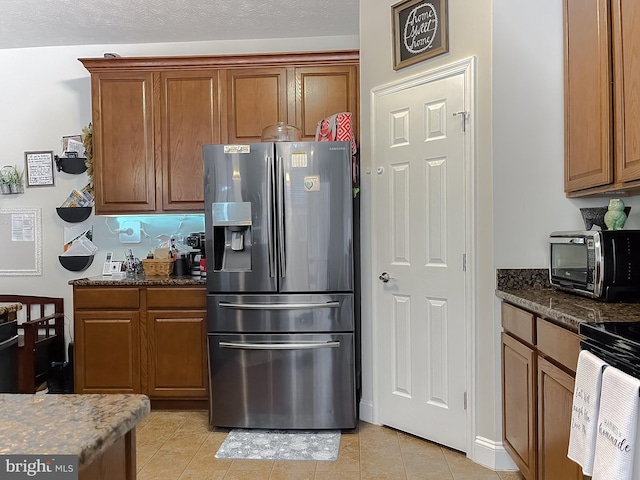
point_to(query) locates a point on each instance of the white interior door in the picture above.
(420, 246)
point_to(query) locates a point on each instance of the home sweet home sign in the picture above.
(420, 31)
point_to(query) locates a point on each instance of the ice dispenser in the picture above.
(232, 236)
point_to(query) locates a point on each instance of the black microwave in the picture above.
(602, 264)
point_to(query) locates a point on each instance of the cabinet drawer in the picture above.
(107, 297)
(167, 297)
(519, 323)
(559, 344)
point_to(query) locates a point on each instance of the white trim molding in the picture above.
(492, 455)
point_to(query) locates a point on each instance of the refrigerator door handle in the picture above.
(281, 225)
(278, 306)
(280, 346)
(270, 239)
(7, 343)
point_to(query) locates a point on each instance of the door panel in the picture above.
(124, 164)
(189, 108)
(420, 214)
(323, 91)
(316, 217)
(282, 381)
(256, 98)
(240, 183)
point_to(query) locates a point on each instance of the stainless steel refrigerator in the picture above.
(280, 306)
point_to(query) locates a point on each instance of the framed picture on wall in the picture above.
(39, 168)
(420, 31)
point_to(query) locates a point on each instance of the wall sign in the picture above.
(39, 168)
(420, 31)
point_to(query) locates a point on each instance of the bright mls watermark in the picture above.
(50, 467)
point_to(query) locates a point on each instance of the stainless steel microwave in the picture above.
(599, 264)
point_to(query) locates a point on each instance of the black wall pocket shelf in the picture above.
(76, 263)
(73, 165)
(74, 214)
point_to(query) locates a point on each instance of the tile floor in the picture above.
(177, 445)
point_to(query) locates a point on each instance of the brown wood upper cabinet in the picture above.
(151, 116)
(602, 96)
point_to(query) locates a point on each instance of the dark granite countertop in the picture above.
(530, 290)
(83, 425)
(139, 281)
(570, 310)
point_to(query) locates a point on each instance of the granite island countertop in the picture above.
(138, 281)
(83, 425)
(569, 310)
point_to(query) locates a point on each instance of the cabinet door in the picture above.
(256, 98)
(555, 399)
(177, 354)
(123, 142)
(626, 73)
(321, 92)
(588, 95)
(107, 351)
(519, 404)
(189, 119)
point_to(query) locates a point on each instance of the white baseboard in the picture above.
(492, 455)
(366, 411)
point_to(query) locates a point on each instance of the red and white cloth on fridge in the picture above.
(338, 128)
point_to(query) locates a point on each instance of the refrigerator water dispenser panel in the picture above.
(232, 236)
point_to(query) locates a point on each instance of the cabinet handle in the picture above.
(277, 306)
(280, 346)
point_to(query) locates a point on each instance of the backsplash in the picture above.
(518, 278)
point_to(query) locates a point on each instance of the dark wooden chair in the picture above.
(41, 340)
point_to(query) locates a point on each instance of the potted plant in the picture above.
(5, 181)
(11, 176)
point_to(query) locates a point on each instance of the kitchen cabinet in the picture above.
(176, 334)
(539, 361)
(151, 116)
(256, 98)
(519, 385)
(146, 339)
(107, 341)
(321, 92)
(602, 97)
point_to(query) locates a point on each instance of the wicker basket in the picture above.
(156, 267)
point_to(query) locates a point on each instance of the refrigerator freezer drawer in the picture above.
(282, 381)
(280, 313)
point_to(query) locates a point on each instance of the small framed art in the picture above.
(420, 31)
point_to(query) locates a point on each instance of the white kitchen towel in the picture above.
(617, 426)
(584, 415)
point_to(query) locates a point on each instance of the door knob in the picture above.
(384, 276)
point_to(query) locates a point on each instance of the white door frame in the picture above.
(467, 68)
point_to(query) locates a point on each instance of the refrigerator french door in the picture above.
(279, 246)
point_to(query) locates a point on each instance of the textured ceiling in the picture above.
(39, 23)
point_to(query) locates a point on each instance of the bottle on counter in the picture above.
(203, 265)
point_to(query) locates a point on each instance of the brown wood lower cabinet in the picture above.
(555, 399)
(107, 351)
(519, 403)
(158, 349)
(177, 354)
(539, 360)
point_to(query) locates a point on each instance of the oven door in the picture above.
(282, 381)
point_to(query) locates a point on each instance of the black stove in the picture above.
(617, 343)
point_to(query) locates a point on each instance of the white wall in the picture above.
(45, 94)
(469, 35)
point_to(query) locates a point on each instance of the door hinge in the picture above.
(465, 400)
(464, 262)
